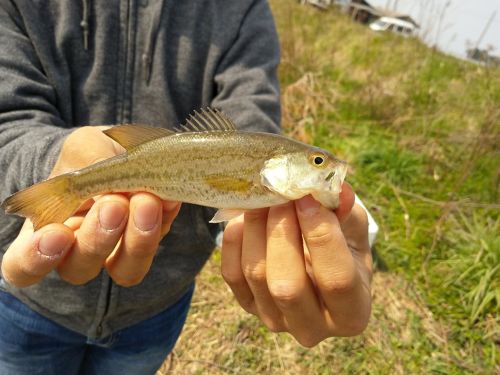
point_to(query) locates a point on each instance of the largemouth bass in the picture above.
(206, 162)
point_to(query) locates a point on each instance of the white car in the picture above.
(322, 4)
(394, 24)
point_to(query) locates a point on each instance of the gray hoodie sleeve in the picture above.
(246, 78)
(31, 130)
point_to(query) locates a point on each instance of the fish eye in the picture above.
(318, 160)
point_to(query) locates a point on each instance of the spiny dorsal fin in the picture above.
(207, 120)
(130, 136)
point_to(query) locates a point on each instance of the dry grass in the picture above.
(220, 338)
(420, 131)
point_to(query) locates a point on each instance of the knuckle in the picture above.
(320, 237)
(359, 327)
(232, 237)
(88, 247)
(26, 271)
(281, 229)
(143, 251)
(127, 280)
(101, 146)
(78, 276)
(256, 216)
(20, 281)
(338, 284)
(166, 228)
(308, 340)
(76, 135)
(356, 229)
(286, 294)
(354, 327)
(231, 276)
(248, 305)
(72, 278)
(273, 325)
(361, 216)
(255, 273)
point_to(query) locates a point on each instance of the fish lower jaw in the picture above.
(327, 199)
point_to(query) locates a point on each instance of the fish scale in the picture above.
(215, 166)
(181, 173)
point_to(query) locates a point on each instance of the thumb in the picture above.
(85, 146)
(346, 202)
(33, 255)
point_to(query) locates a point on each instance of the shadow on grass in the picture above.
(379, 265)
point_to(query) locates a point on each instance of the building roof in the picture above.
(381, 12)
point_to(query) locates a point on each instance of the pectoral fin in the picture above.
(225, 214)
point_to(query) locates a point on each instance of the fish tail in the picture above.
(51, 201)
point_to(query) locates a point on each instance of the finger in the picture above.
(98, 147)
(75, 222)
(33, 255)
(287, 279)
(96, 238)
(346, 202)
(170, 211)
(253, 263)
(335, 270)
(355, 230)
(231, 271)
(132, 260)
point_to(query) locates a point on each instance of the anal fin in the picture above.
(226, 214)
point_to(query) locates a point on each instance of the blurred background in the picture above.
(455, 27)
(408, 92)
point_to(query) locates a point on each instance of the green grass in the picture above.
(421, 133)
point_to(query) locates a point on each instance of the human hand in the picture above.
(115, 231)
(302, 268)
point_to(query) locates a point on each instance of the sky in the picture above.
(453, 25)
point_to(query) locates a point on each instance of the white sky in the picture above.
(462, 21)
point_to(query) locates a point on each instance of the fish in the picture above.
(205, 161)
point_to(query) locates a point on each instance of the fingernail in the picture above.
(53, 243)
(308, 206)
(146, 216)
(111, 215)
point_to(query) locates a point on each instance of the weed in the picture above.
(420, 131)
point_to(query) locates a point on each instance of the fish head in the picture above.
(311, 171)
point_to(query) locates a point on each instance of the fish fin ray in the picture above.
(47, 202)
(207, 120)
(226, 214)
(193, 123)
(131, 135)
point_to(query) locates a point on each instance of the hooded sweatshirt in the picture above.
(65, 64)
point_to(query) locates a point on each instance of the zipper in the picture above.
(98, 331)
(127, 14)
(107, 302)
(125, 61)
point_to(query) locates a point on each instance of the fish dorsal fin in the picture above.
(130, 136)
(207, 120)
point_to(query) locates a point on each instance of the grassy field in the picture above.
(421, 132)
